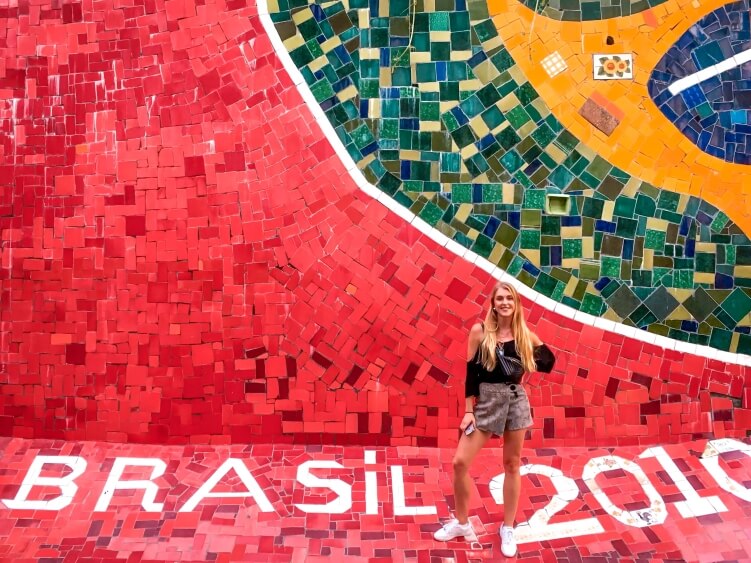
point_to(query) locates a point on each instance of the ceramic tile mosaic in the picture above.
(270, 503)
(438, 115)
(702, 83)
(581, 10)
(553, 64)
(613, 66)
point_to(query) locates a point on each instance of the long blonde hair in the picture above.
(519, 329)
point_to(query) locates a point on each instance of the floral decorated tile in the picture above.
(613, 66)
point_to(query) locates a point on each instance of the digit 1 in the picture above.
(694, 505)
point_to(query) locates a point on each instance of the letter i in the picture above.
(371, 485)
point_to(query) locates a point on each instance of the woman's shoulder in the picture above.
(535, 339)
(477, 331)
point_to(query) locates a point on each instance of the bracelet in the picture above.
(469, 412)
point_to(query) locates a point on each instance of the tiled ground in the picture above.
(624, 507)
(188, 261)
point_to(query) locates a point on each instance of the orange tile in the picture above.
(645, 144)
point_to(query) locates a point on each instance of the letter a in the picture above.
(254, 490)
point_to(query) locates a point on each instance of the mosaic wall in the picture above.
(576, 10)
(703, 83)
(437, 113)
(185, 259)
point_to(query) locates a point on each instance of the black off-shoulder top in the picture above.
(476, 372)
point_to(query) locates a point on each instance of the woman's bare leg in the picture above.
(513, 441)
(468, 448)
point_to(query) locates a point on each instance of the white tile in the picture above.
(664, 342)
(456, 248)
(526, 291)
(421, 225)
(488, 266)
(742, 57)
(569, 312)
(584, 318)
(727, 64)
(364, 185)
(604, 324)
(553, 64)
(438, 237)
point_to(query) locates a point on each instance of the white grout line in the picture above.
(456, 248)
(711, 71)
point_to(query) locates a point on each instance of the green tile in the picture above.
(530, 239)
(506, 235)
(526, 93)
(517, 117)
(464, 136)
(493, 117)
(737, 305)
(547, 285)
(572, 248)
(488, 95)
(654, 239)
(592, 304)
(534, 199)
(492, 193)
(611, 267)
(502, 60)
(512, 161)
(322, 90)
(431, 213)
(543, 135)
(472, 106)
(719, 222)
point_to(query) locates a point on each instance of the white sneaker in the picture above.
(454, 530)
(508, 543)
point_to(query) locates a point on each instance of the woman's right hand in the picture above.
(469, 418)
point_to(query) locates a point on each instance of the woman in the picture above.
(499, 352)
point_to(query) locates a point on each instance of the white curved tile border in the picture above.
(455, 247)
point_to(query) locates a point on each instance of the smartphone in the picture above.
(469, 429)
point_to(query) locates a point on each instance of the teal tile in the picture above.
(526, 93)
(322, 90)
(611, 267)
(530, 239)
(492, 193)
(572, 248)
(517, 117)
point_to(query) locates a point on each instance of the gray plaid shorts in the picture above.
(502, 407)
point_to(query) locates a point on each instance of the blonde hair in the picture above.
(519, 329)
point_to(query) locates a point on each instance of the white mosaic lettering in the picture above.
(371, 485)
(654, 514)
(344, 491)
(253, 489)
(400, 503)
(538, 528)
(150, 489)
(66, 484)
(694, 505)
(710, 459)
